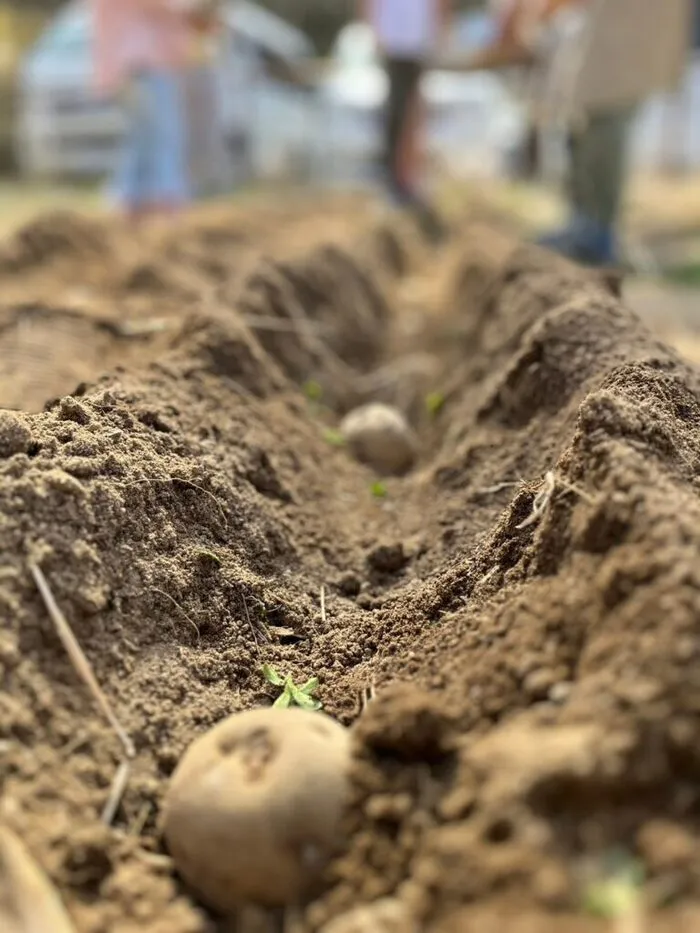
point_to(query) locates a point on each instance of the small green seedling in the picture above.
(313, 390)
(334, 437)
(291, 694)
(617, 893)
(379, 490)
(434, 403)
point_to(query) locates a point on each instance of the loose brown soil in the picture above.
(513, 630)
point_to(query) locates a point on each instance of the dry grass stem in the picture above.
(255, 629)
(116, 792)
(487, 576)
(499, 487)
(179, 609)
(250, 623)
(136, 826)
(323, 604)
(541, 501)
(78, 659)
(572, 487)
(185, 482)
(367, 695)
(155, 859)
(543, 498)
(265, 322)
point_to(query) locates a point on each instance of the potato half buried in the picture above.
(254, 808)
(380, 436)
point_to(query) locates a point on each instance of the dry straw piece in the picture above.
(85, 671)
(29, 903)
(78, 659)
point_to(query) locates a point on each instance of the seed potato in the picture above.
(253, 810)
(380, 436)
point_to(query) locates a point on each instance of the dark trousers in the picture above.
(598, 154)
(404, 76)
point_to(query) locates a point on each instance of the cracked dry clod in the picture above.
(380, 436)
(253, 811)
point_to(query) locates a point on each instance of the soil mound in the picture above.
(512, 628)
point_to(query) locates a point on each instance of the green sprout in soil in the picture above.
(291, 694)
(379, 490)
(434, 403)
(313, 390)
(617, 893)
(334, 437)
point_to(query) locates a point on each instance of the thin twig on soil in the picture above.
(367, 695)
(499, 487)
(78, 658)
(487, 576)
(72, 745)
(179, 609)
(263, 322)
(252, 626)
(116, 792)
(250, 623)
(572, 487)
(262, 624)
(541, 502)
(136, 826)
(155, 859)
(323, 604)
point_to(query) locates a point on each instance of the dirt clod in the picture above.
(15, 436)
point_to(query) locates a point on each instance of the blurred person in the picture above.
(594, 62)
(209, 161)
(408, 33)
(141, 50)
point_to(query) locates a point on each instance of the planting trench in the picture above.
(513, 628)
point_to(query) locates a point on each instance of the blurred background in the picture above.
(58, 141)
(52, 128)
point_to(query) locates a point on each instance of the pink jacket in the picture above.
(136, 34)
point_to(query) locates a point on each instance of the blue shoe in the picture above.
(585, 241)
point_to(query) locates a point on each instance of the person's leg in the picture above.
(402, 154)
(402, 127)
(599, 164)
(574, 140)
(409, 160)
(168, 179)
(394, 118)
(595, 185)
(126, 188)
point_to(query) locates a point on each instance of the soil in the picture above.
(512, 630)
